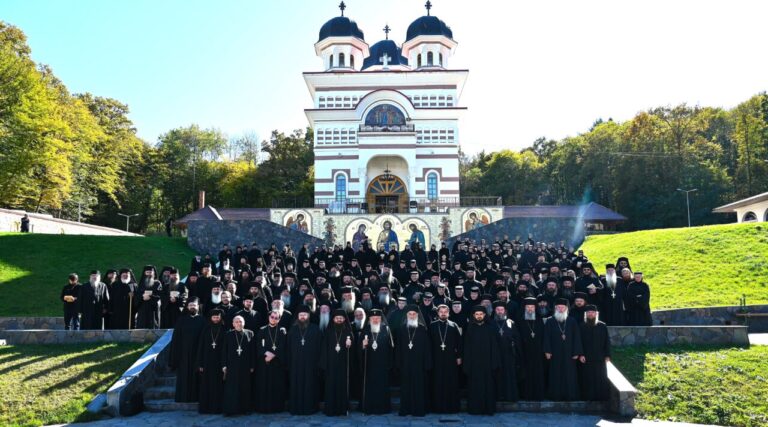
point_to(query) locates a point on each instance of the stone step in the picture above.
(168, 405)
(164, 381)
(160, 392)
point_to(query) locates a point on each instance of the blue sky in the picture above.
(544, 68)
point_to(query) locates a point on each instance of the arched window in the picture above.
(749, 217)
(430, 58)
(418, 61)
(352, 61)
(432, 186)
(342, 62)
(341, 187)
(385, 115)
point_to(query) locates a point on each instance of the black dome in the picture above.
(340, 26)
(428, 26)
(378, 50)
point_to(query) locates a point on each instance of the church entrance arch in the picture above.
(387, 194)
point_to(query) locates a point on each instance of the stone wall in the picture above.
(725, 315)
(209, 236)
(16, 323)
(10, 220)
(72, 337)
(671, 335)
(543, 229)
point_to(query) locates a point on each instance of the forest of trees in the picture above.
(78, 154)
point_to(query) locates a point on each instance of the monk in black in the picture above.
(637, 298)
(335, 356)
(209, 353)
(149, 293)
(70, 296)
(481, 363)
(597, 351)
(612, 306)
(174, 298)
(304, 340)
(238, 363)
(94, 302)
(377, 349)
(413, 359)
(531, 329)
(183, 357)
(123, 301)
(509, 348)
(270, 379)
(562, 347)
(447, 347)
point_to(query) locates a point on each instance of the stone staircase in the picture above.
(160, 398)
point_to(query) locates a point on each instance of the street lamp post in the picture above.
(687, 202)
(127, 219)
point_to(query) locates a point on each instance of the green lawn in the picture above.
(47, 384)
(34, 267)
(692, 267)
(699, 384)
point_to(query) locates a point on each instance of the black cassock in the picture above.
(447, 346)
(533, 374)
(335, 365)
(302, 360)
(593, 373)
(209, 358)
(562, 383)
(413, 358)
(123, 305)
(149, 310)
(171, 311)
(612, 306)
(94, 301)
(509, 347)
(376, 363)
(637, 297)
(183, 357)
(481, 363)
(239, 359)
(271, 377)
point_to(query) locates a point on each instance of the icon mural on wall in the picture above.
(387, 231)
(475, 218)
(298, 220)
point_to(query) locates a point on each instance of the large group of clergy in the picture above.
(269, 329)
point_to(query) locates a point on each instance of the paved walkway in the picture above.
(522, 419)
(758, 339)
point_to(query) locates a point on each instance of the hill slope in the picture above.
(34, 267)
(692, 267)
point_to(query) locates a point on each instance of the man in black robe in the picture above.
(238, 362)
(612, 305)
(637, 298)
(413, 358)
(589, 283)
(446, 348)
(123, 301)
(377, 348)
(183, 357)
(335, 357)
(562, 347)
(70, 296)
(150, 291)
(531, 328)
(110, 279)
(94, 302)
(458, 315)
(270, 378)
(509, 348)
(597, 351)
(252, 317)
(481, 362)
(304, 340)
(209, 353)
(174, 299)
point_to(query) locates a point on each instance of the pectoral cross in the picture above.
(501, 332)
(385, 60)
(239, 350)
(410, 345)
(563, 337)
(613, 294)
(274, 347)
(442, 346)
(338, 348)
(302, 341)
(213, 344)
(533, 334)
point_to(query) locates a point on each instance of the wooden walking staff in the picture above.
(365, 374)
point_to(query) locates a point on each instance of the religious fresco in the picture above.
(385, 115)
(475, 218)
(387, 231)
(298, 220)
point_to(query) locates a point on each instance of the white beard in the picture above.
(413, 323)
(561, 317)
(125, 281)
(530, 316)
(384, 299)
(611, 280)
(94, 282)
(324, 319)
(375, 328)
(359, 324)
(215, 298)
(348, 305)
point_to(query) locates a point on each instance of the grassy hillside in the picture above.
(693, 267)
(722, 386)
(47, 384)
(34, 267)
